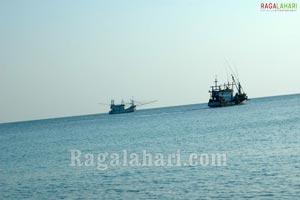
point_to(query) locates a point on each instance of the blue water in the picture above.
(261, 140)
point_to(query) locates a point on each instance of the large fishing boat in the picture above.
(223, 95)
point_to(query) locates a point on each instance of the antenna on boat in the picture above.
(216, 81)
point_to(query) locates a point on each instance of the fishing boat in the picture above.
(120, 108)
(223, 95)
(125, 107)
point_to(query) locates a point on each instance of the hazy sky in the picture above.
(60, 58)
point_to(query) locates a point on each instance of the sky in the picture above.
(62, 57)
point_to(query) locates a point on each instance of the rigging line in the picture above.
(237, 73)
(235, 76)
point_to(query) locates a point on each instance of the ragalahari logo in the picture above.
(278, 6)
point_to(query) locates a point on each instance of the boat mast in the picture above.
(234, 83)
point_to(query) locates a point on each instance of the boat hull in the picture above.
(128, 110)
(216, 104)
(238, 99)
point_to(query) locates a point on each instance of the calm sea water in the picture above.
(261, 140)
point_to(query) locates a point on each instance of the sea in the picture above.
(261, 141)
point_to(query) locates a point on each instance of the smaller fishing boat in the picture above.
(121, 108)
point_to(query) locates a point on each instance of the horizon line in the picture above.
(102, 113)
